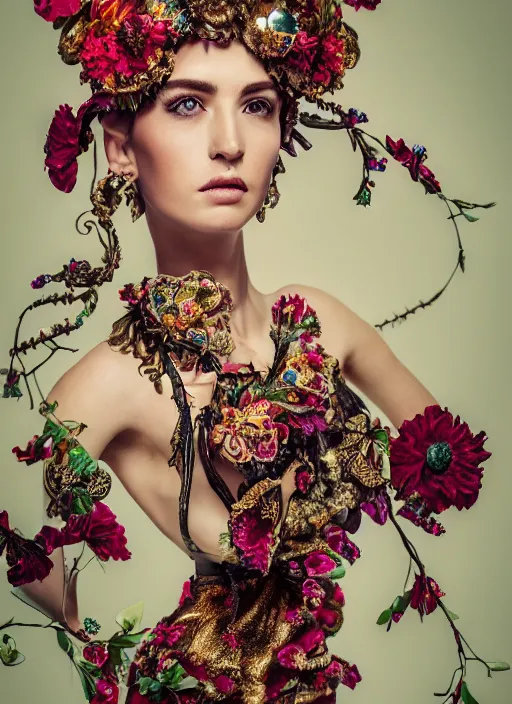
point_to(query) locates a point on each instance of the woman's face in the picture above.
(227, 127)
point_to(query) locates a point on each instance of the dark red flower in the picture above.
(294, 312)
(96, 653)
(438, 459)
(350, 676)
(424, 593)
(50, 10)
(339, 542)
(68, 137)
(27, 559)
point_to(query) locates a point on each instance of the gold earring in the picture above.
(108, 194)
(273, 195)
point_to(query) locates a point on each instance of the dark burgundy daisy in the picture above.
(437, 459)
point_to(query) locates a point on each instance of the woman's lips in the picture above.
(225, 195)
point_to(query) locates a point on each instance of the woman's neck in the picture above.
(223, 255)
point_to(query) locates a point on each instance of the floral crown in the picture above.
(127, 49)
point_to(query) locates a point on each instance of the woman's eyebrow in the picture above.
(211, 89)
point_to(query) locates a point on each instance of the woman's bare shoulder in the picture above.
(98, 390)
(340, 325)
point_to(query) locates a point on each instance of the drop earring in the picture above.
(108, 194)
(273, 195)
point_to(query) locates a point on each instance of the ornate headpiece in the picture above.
(127, 50)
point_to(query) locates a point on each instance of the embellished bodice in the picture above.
(297, 416)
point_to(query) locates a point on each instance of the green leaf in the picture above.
(115, 655)
(88, 682)
(498, 666)
(337, 573)
(81, 462)
(130, 618)
(65, 643)
(128, 640)
(173, 676)
(82, 501)
(92, 669)
(467, 698)
(399, 605)
(147, 685)
(9, 654)
(453, 616)
(187, 683)
(471, 218)
(384, 617)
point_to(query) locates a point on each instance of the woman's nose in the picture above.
(225, 139)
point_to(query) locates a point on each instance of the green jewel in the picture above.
(12, 391)
(282, 21)
(439, 457)
(91, 626)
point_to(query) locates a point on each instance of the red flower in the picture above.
(413, 161)
(106, 693)
(424, 593)
(50, 10)
(68, 137)
(186, 592)
(27, 559)
(294, 312)
(35, 451)
(437, 458)
(96, 653)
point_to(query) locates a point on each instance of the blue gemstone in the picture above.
(290, 376)
(282, 21)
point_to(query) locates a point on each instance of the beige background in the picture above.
(434, 73)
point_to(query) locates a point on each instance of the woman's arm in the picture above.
(93, 392)
(373, 368)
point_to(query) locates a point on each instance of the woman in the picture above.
(209, 122)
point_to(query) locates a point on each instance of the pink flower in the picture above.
(294, 655)
(338, 594)
(39, 448)
(313, 592)
(377, 509)
(186, 592)
(326, 617)
(106, 693)
(318, 563)
(96, 653)
(168, 635)
(337, 540)
(51, 10)
(437, 458)
(303, 480)
(224, 684)
(425, 594)
(350, 676)
(252, 534)
(332, 53)
(293, 312)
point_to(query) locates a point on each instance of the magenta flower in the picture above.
(224, 684)
(231, 640)
(318, 563)
(312, 593)
(437, 458)
(350, 676)
(358, 4)
(295, 654)
(338, 594)
(35, 450)
(51, 10)
(168, 635)
(186, 592)
(377, 509)
(253, 536)
(338, 541)
(294, 312)
(106, 693)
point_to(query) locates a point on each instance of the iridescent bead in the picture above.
(282, 21)
(290, 376)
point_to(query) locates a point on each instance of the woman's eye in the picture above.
(268, 107)
(184, 102)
